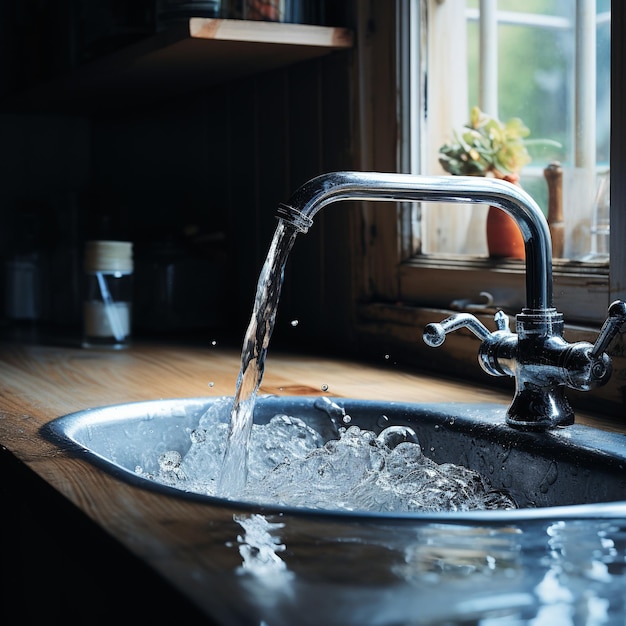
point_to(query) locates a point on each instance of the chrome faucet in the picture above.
(538, 356)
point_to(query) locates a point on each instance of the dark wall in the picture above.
(193, 181)
(203, 177)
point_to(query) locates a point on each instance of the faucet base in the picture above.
(539, 409)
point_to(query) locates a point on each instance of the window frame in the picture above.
(582, 291)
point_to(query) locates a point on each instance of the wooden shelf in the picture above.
(296, 35)
(187, 57)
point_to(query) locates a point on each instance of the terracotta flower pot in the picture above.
(504, 238)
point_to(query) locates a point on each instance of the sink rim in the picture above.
(62, 431)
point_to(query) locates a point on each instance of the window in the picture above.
(536, 61)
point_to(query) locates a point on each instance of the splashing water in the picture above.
(290, 464)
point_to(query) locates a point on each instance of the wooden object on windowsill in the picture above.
(554, 176)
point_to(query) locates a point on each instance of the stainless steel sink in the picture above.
(573, 472)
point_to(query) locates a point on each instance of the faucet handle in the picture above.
(435, 334)
(610, 328)
(497, 348)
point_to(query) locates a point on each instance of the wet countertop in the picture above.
(78, 540)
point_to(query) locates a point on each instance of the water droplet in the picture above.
(347, 419)
(211, 384)
(294, 323)
(214, 343)
(324, 387)
(387, 357)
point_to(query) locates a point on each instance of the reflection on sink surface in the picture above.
(578, 469)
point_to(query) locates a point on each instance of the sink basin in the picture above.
(574, 472)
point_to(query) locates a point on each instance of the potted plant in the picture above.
(487, 147)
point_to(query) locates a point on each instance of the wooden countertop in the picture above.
(190, 546)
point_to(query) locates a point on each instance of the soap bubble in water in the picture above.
(394, 435)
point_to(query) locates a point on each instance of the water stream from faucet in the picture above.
(233, 477)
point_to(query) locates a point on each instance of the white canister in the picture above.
(108, 291)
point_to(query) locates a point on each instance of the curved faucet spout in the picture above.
(328, 188)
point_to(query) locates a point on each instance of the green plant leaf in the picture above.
(487, 145)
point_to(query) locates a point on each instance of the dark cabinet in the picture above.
(181, 137)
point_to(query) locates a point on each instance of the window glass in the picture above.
(540, 80)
